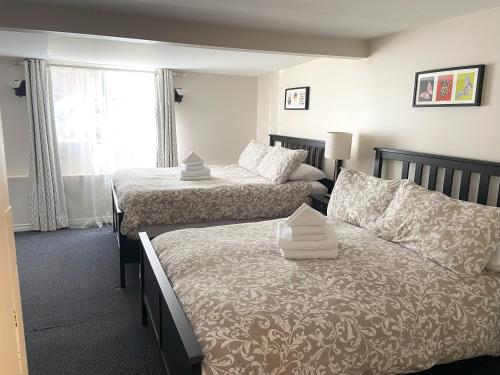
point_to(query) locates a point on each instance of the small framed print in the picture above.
(459, 86)
(297, 98)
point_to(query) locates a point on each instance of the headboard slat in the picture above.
(432, 177)
(406, 170)
(315, 148)
(464, 185)
(482, 193)
(448, 181)
(485, 169)
(418, 173)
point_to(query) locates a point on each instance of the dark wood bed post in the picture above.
(128, 248)
(377, 168)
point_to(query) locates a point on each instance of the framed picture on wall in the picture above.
(297, 98)
(458, 86)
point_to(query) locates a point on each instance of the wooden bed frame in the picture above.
(130, 248)
(179, 347)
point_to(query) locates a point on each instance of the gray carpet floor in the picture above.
(79, 322)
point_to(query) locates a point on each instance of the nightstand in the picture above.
(320, 202)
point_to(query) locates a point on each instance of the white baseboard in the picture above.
(73, 223)
(21, 227)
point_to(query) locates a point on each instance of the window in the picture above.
(105, 119)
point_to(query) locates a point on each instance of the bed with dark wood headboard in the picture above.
(178, 344)
(129, 247)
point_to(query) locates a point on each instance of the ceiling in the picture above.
(128, 53)
(340, 18)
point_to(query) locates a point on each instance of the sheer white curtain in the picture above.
(105, 120)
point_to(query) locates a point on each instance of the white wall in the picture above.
(212, 120)
(372, 98)
(217, 116)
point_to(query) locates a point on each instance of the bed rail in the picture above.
(179, 347)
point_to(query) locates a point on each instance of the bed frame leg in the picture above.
(122, 274)
(144, 317)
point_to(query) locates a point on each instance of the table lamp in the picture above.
(338, 148)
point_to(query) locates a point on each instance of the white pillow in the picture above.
(252, 155)
(494, 263)
(307, 172)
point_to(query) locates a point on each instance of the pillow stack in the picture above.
(457, 235)
(274, 163)
(307, 235)
(252, 155)
(360, 199)
(193, 168)
(461, 236)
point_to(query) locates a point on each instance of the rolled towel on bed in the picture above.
(192, 159)
(308, 229)
(285, 241)
(203, 172)
(308, 237)
(193, 169)
(194, 178)
(305, 216)
(198, 167)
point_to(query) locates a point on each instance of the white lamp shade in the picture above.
(338, 145)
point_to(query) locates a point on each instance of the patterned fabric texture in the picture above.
(361, 199)
(458, 235)
(280, 163)
(156, 196)
(376, 309)
(47, 199)
(252, 155)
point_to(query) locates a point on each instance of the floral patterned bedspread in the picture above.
(379, 308)
(150, 196)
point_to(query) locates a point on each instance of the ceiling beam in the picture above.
(22, 16)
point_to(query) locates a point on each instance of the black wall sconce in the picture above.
(19, 87)
(179, 94)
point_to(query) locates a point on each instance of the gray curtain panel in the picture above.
(166, 155)
(48, 204)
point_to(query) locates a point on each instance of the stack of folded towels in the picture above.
(307, 235)
(193, 168)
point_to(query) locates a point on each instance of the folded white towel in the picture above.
(195, 178)
(192, 157)
(200, 167)
(308, 229)
(308, 237)
(309, 254)
(194, 165)
(285, 241)
(203, 172)
(305, 215)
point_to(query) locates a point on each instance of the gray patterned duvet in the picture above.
(377, 309)
(151, 196)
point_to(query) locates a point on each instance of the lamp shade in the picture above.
(338, 145)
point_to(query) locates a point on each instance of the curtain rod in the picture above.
(100, 67)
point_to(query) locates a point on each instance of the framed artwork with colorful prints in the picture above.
(458, 86)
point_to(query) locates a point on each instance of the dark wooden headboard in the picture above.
(451, 165)
(316, 148)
